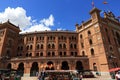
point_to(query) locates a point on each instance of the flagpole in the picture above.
(93, 5)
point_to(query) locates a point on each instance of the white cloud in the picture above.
(48, 22)
(60, 29)
(42, 26)
(37, 27)
(18, 16)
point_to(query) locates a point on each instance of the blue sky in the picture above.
(51, 14)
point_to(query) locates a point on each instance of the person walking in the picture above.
(81, 76)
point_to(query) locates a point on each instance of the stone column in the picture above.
(34, 46)
(56, 45)
(45, 45)
(68, 46)
(27, 69)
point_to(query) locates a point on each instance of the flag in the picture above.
(105, 2)
(93, 5)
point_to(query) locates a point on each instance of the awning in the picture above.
(114, 69)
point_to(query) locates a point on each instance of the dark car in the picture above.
(7, 73)
(88, 74)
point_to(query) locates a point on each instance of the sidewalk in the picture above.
(99, 78)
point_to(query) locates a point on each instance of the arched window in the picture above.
(64, 46)
(49, 46)
(20, 54)
(82, 45)
(72, 54)
(83, 53)
(90, 41)
(37, 54)
(30, 54)
(34, 69)
(41, 54)
(75, 54)
(53, 46)
(71, 46)
(60, 53)
(49, 53)
(106, 30)
(41, 46)
(60, 46)
(42, 38)
(111, 49)
(20, 69)
(75, 38)
(92, 52)
(89, 33)
(48, 38)
(75, 46)
(30, 47)
(79, 66)
(26, 54)
(53, 54)
(64, 53)
(37, 46)
(81, 36)
(64, 38)
(65, 65)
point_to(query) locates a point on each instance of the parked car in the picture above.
(88, 74)
(7, 74)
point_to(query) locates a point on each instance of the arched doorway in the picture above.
(49, 66)
(65, 65)
(79, 66)
(20, 69)
(34, 69)
(9, 66)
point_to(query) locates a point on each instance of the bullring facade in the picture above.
(95, 45)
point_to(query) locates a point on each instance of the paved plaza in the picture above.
(97, 78)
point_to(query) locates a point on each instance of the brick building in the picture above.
(95, 45)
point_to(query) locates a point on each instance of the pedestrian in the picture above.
(81, 76)
(117, 76)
